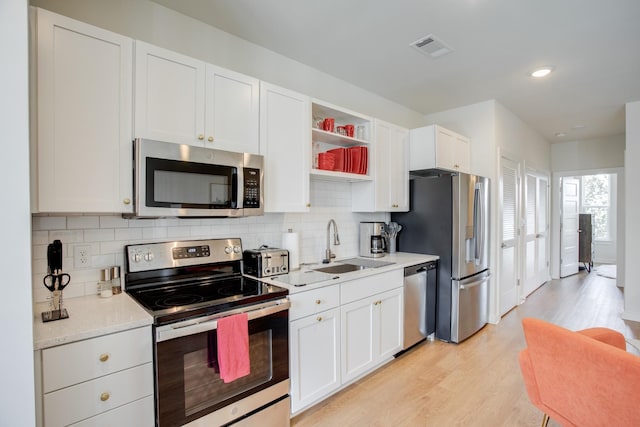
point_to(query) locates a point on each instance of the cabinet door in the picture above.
(389, 191)
(382, 174)
(398, 170)
(445, 148)
(390, 323)
(169, 96)
(315, 357)
(84, 117)
(284, 136)
(462, 154)
(232, 111)
(357, 338)
(138, 413)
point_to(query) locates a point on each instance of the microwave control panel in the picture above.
(251, 197)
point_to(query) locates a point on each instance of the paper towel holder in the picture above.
(291, 242)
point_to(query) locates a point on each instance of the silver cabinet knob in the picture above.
(201, 137)
(126, 201)
(210, 139)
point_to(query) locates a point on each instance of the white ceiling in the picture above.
(594, 45)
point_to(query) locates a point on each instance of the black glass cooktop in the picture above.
(204, 296)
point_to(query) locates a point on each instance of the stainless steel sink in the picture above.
(366, 263)
(340, 268)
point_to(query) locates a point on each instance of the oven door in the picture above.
(188, 389)
(182, 180)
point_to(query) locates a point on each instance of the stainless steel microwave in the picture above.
(181, 180)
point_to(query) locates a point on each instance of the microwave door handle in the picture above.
(236, 201)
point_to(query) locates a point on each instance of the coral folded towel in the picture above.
(233, 347)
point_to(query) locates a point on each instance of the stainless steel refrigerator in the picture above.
(449, 217)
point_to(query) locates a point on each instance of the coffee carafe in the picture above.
(372, 242)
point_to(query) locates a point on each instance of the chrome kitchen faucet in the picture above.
(336, 241)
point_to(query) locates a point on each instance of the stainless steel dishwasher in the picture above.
(420, 283)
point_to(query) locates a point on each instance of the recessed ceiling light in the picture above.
(542, 71)
(560, 134)
(578, 127)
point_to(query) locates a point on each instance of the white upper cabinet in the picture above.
(389, 191)
(184, 100)
(232, 111)
(436, 147)
(82, 139)
(169, 96)
(284, 143)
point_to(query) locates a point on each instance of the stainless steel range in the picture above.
(187, 286)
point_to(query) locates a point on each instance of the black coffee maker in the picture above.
(372, 241)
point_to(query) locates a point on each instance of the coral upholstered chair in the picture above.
(583, 378)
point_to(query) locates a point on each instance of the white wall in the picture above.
(599, 153)
(153, 23)
(494, 129)
(108, 234)
(17, 406)
(632, 206)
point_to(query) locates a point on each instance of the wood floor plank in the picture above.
(477, 382)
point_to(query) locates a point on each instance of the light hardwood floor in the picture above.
(477, 382)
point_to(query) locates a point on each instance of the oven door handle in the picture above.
(209, 323)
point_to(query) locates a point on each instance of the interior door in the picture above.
(542, 231)
(508, 270)
(569, 227)
(535, 241)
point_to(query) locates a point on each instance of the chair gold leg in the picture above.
(545, 420)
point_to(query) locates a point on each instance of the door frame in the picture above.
(556, 211)
(519, 165)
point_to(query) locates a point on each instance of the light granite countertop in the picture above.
(89, 316)
(398, 260)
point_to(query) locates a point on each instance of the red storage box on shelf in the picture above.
(326, 161)
(340, 159)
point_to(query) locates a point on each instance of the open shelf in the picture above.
(336, 139)
(339, 176)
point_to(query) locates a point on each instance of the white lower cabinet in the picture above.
(102, 381)
(314, 346)
(371, 332)
(315, 357)
(138, 413)
(341, 332)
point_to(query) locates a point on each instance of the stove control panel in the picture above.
(191, 252)
(153, 256)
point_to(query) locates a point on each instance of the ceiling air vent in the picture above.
(431, 46)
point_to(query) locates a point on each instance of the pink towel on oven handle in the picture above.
(233, 347)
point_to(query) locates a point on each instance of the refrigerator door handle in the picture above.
(477, 223)
(475, 283)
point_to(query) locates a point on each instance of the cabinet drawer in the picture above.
(367, 286)
(85, 400)
(139, 413)
(307, 303)
(84, 360)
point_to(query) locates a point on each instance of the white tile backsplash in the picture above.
(108, 235)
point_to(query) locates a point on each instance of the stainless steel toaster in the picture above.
(265, 261)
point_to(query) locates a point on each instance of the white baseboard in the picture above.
(634, 316)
